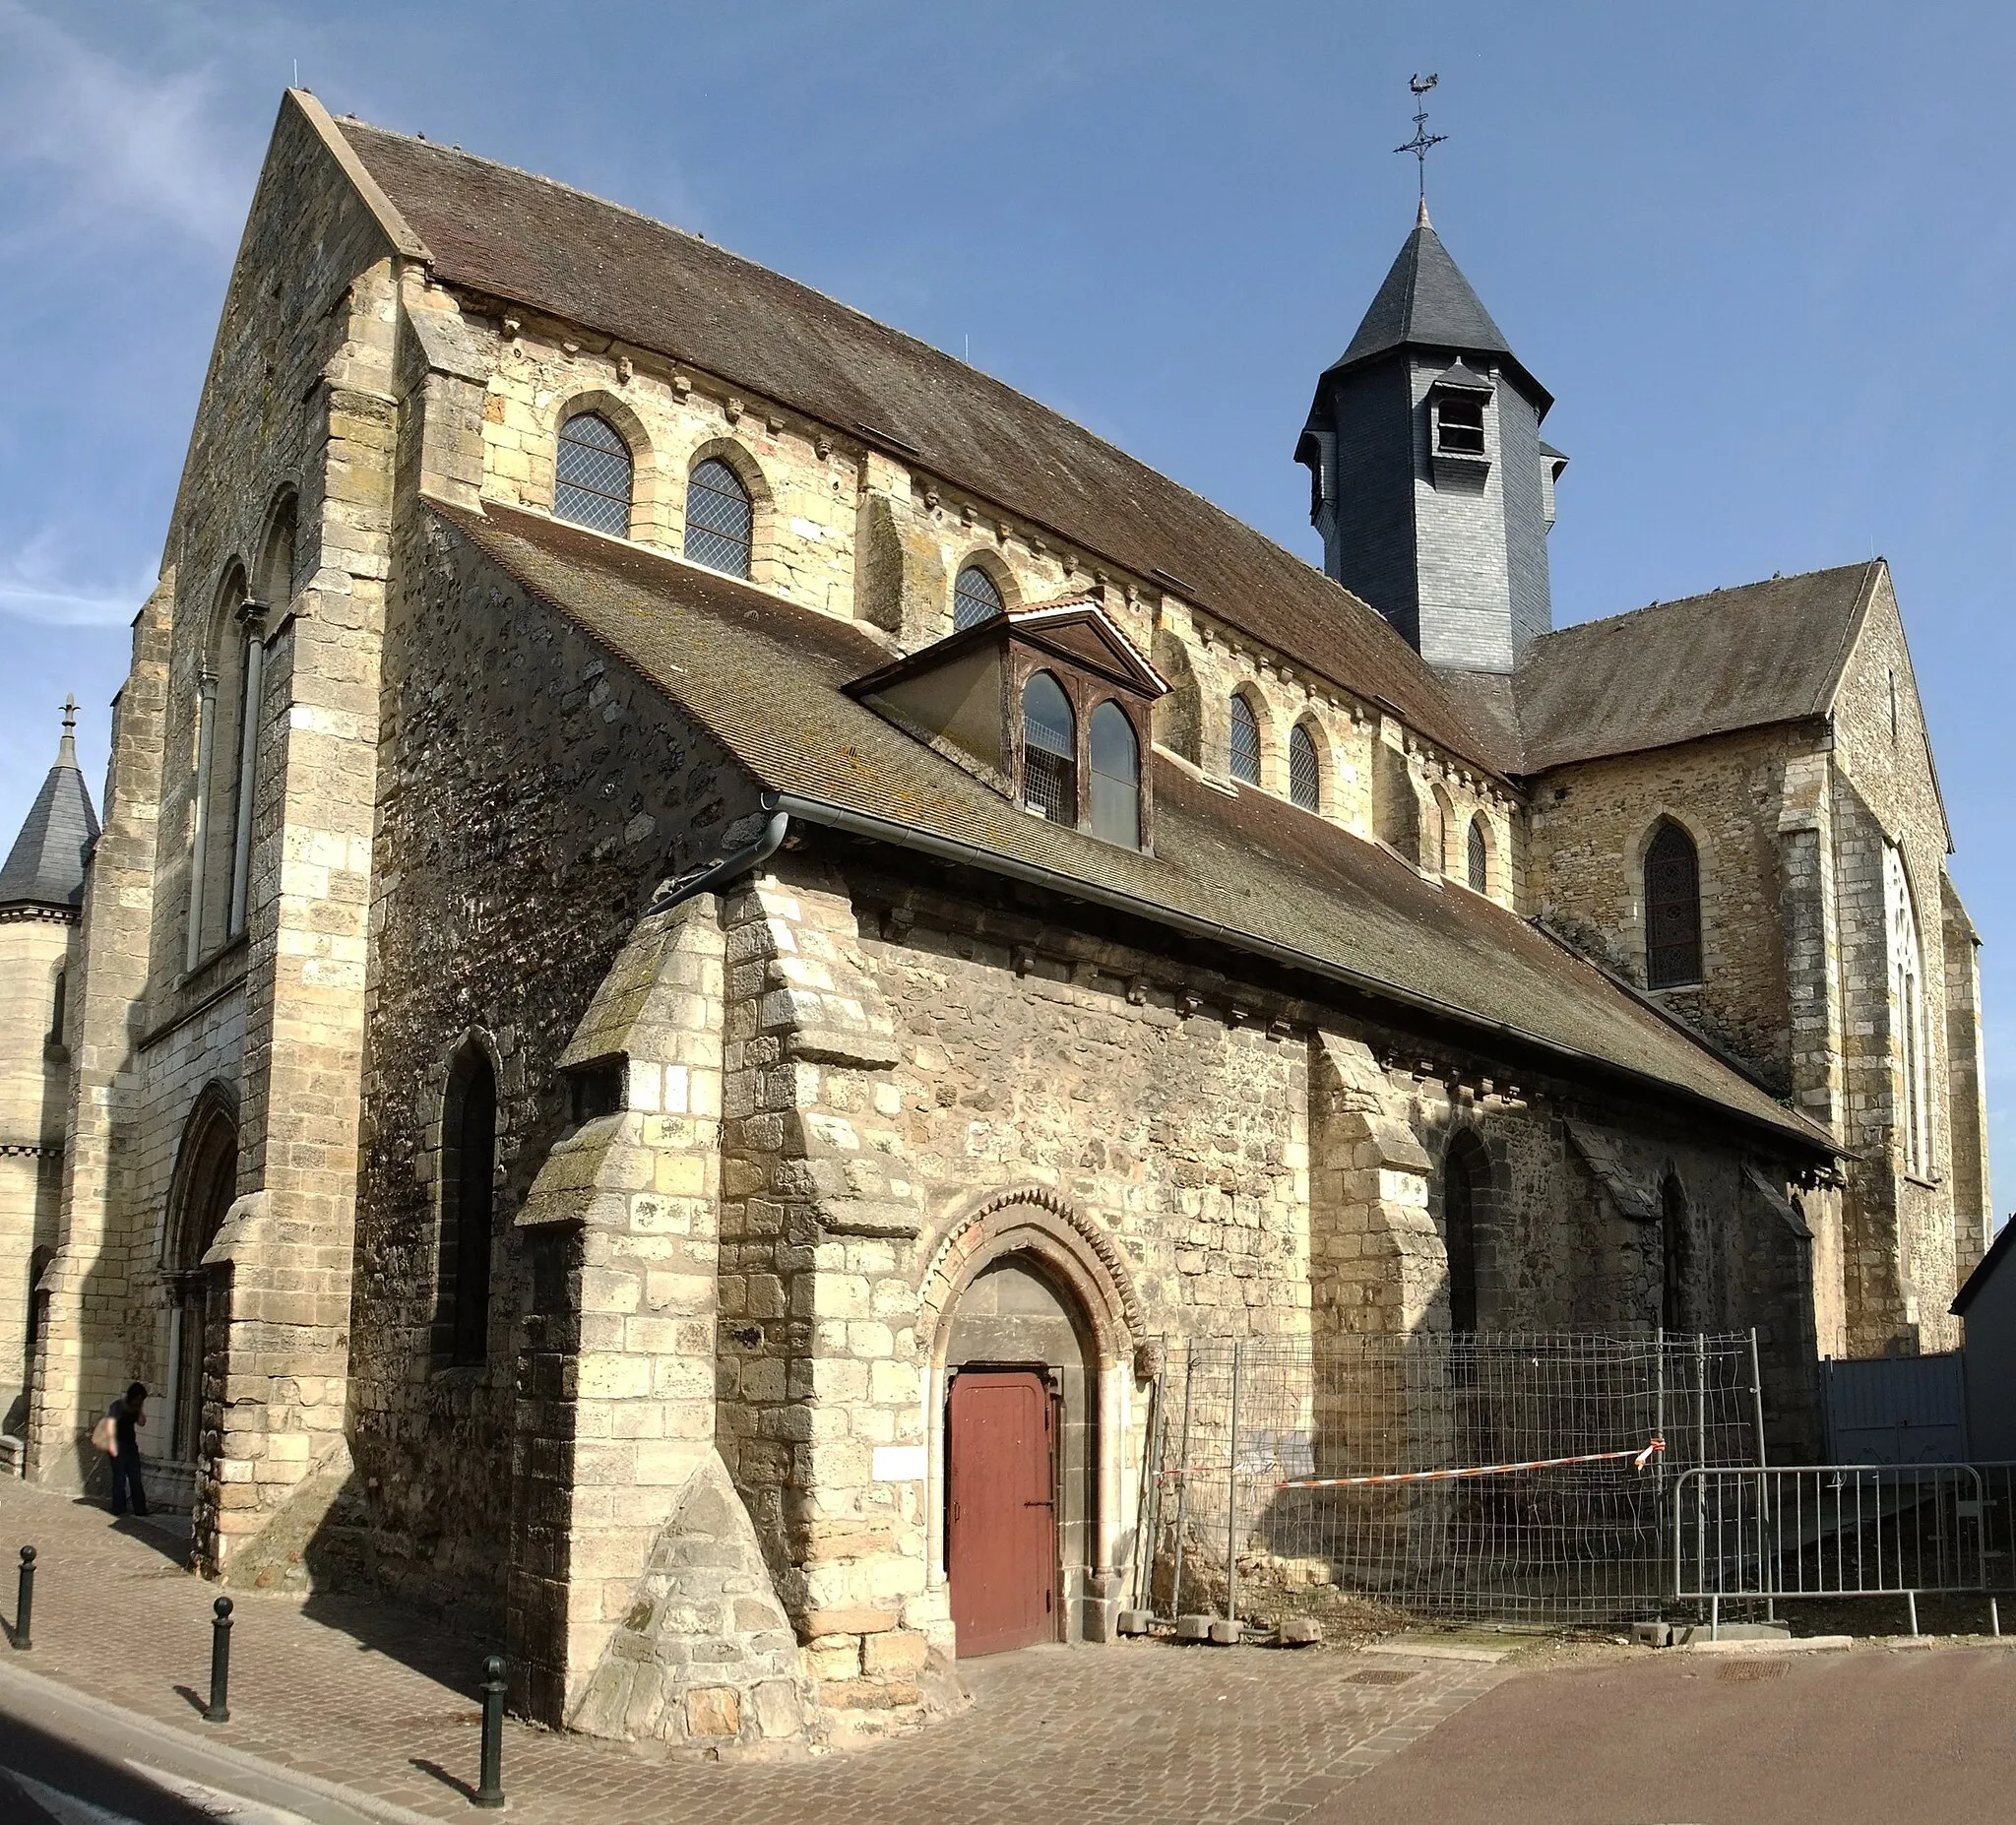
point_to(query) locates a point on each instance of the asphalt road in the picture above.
(1868, 1738)
(66, 1761)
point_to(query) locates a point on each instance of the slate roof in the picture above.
(1986, 1269)
(1425, 302)
(1711, 664)
(515, 237)
(1245, 869)
(46, 866)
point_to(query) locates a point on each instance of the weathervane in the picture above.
(1422, 138)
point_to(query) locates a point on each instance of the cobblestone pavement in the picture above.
(371, 1697)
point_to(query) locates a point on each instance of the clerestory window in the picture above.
(1479, 859)
(1673, 910)
(975, 598)
(593, 476)
(1304, 776)
(721, 519)
(1245, 744)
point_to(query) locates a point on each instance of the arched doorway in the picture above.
(1020, 1450)
(204, 1183)
(1034, 1330)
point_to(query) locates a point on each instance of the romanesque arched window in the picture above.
(1466, 1178)
(1049, 750)
(468, 1172)
(593, 476)
(1304, 775)
(1675, 1257)
(721, 519)
(1478, 856)
(1246, 742)
(1673, 908)
(975, 598)
(1115, 776)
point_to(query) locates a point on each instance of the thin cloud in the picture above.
(33, 589)
(126, 143)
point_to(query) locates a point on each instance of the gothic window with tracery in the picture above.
(593, 476)
(1673, 910)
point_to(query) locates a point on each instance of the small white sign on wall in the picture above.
(899, 1463)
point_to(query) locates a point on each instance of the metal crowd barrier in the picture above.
(1770, 1534)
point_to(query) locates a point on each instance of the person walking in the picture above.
(128, 1416)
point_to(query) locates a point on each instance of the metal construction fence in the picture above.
(1519, 1478)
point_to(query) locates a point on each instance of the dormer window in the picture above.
(1049, 751)
(1460, 425)
(1048, 705)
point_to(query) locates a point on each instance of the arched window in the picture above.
(1477, 860)
(1049, 750)
(1464, 1177)
(206, 1180)
(276, 586)
(1304, 776)
(975, 598)
(1115, 777)
(1907, 981)
(1675, 1251)
(469, 1166)
(719, 520)
(1673, 910)
(591, 476)
(1246, 742)
(58, 1003)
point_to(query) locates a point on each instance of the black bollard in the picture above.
(24, 1600)
(219, 1710)
(490, 1778)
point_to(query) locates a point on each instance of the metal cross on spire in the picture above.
(1422, 138)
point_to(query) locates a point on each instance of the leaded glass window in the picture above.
(593, 476)
(1479, 861)
(1673, 910)
(975, 598)
(719, 520)
(1049, 750)
(1305, 778)
(1246, 747)
(1115, 777)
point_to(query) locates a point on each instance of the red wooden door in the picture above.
(1002, 1535)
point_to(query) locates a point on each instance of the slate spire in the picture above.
(1428, 479)
(45, 868)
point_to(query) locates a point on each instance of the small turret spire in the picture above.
(1421, 216)
(66, 753)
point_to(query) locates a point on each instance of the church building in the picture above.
(704, 912)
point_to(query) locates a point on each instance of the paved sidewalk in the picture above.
(373, 1698)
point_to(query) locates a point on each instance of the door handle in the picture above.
(1040, 1504)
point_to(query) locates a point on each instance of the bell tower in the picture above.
(1430, 480)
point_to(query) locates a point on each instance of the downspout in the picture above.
(736, 861)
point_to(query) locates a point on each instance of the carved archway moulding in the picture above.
(1036, 1221)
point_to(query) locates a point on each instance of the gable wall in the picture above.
(1587, 830)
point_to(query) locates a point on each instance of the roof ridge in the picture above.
(1373, 624)
(1699, 596)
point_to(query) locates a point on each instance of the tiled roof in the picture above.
(46, 866)
(1765, 653)
(523, 239)
(1249, 869)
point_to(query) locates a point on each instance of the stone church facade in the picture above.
(688, 884)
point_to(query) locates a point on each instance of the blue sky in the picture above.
(1761, 253)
